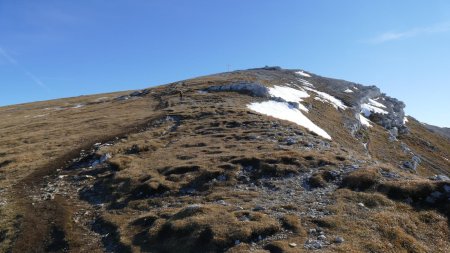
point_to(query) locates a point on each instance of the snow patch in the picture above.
(290, 95)
(302, 73)
(284, 111)
(405, 119)
(377, 104)
(304, 82)
(348, 91)
(328, 98)
(368, 109)
(364, 121)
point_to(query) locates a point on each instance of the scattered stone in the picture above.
(313, 244)
(415, 160)
(290, 141)
(388, 174)
(244, 218)
(258, 208)
(237, 242)
(222, 178)
(322, 237)
(193, 207)
(393, 133)
(222, 202)
(405, 148)
(439, 178)
(139, 93)
(122, 98)
(292, 244)
(338, 239)
(361, 204)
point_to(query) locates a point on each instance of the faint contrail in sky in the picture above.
(390, 36)
(30, 75)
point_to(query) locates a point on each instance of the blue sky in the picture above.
(53, 49)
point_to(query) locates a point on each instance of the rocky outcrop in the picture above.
(252, 89)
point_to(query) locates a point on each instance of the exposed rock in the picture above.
(313, 244)
(139, 93)
(440, 178)
(412, 165)
(405, 148)
(253, 89)
(322, 237)
(338, 239)
(259, 208)
(292, 244)
(393, 133)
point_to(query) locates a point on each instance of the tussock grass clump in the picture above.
(279, 247)
(317, 180)
(384, 225)
(361, 180)
(208, 228)
(420, 193)
(293, 223)
(417, 190)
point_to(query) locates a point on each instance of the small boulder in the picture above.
(338, 239)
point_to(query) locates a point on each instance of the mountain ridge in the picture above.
(152, 170)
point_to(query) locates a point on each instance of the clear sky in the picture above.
(53, 49)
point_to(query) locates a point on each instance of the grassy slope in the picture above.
(162, 168)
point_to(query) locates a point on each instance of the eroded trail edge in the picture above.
(53, 217)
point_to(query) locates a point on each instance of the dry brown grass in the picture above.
(171, 184)
(205, 229)
(384, 225)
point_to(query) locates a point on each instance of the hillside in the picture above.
(259, 160)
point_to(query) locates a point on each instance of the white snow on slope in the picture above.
(290, 95)
(328, 98)
(377, 104)
(364, 121)
(372, 106)
(348, 91)
(284, 111)
(304, 82)
(367, 110)
(405, 119)
(303, 73)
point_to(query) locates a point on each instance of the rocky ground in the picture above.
(188, 167)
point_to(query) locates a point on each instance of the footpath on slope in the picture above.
(46, 217)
